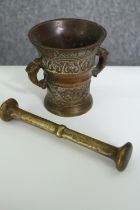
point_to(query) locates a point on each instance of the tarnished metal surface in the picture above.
(67, 49)
(9, 110)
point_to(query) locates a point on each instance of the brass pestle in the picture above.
(9, 110)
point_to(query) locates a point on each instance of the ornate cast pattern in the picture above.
(68, 66)
(67, 96)
(67, 54)
(69, 62)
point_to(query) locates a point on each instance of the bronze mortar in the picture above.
(67, 49)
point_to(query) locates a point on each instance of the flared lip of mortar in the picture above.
(37, 44)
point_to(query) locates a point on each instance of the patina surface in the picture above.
(67, 49)
(121, 155)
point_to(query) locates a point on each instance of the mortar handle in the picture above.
(103, 55)
(32, 69)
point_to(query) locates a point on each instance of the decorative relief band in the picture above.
(67, 54)
(68, 62)
(67, 96)
(68, 66)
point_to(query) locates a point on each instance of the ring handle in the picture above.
(32, 69)
(103, 55)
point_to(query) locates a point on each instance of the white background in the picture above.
(38, 171)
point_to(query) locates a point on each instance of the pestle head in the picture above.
(6, 108)
(123, 156)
